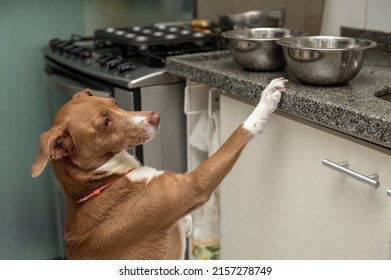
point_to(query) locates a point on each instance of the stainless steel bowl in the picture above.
(325, 60)
(252, 19)
(256, 49)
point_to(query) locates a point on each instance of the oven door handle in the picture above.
(69, 88)
(70, 82)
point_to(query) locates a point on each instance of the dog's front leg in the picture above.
(208, 175)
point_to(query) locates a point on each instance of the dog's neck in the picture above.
(119, 163)
(77, 181)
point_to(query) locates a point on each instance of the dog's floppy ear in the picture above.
(55, 144)
(86, 92)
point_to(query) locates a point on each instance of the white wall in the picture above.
(300, 14)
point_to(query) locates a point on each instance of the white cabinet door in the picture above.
(280, 202)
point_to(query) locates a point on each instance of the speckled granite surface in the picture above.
(352, 108)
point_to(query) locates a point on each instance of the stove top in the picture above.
(132, 56)
(181, 36)
(106, 65)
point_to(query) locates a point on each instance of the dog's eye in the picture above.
(106, 123)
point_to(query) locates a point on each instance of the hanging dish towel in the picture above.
(206, 228)
(199, 137)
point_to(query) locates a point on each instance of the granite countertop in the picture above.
(352, 108)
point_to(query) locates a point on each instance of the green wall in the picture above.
(27, 218)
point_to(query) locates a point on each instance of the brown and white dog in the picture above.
(141, 213)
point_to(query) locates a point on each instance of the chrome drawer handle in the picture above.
(389, 192)
(371, 180)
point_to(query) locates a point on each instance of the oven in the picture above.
(128, 65)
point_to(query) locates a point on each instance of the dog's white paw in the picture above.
(270, 98)
(271, 95)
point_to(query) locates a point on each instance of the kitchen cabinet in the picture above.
(280, 202)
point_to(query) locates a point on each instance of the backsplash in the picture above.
(383, 39)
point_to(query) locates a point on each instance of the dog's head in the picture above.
(89, 129)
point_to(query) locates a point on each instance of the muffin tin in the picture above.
(158, 34)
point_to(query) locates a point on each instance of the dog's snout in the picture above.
(153, 118)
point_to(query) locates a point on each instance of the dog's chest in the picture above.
(143, 173)
(123, 162)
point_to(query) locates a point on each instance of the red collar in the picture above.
(100, 189)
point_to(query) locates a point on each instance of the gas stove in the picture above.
(131, 57)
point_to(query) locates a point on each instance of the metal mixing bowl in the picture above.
(252, 19)
(256, 49)
(325, 60)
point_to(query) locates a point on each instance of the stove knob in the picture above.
(113, 62)
(54, 42)
(68, 48)
(86, 53)
(58, 45)
(76, 50)
(103, 59)
(124, 66)
(63, 44)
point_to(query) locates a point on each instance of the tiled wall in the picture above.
(361, 14)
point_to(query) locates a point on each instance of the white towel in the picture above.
(206, 133)
(214, 133)
(199, 135)
(206, 233)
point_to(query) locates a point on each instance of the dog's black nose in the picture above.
(154, 118)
